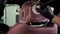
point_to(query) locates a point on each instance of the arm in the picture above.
(51, 16)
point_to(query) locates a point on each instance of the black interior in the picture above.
(45, 24)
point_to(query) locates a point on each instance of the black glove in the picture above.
(46, 12)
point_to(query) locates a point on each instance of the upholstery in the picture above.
(27, 16)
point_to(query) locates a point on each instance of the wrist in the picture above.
(53, 17)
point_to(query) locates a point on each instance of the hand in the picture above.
(47, 12)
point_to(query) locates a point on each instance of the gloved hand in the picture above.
(47, 12)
